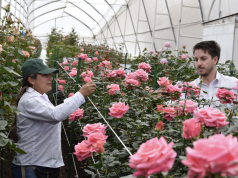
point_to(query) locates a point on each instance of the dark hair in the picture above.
(24, 85)
(212, 47)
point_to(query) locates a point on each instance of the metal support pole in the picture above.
(178, 35)
(2, 162)
(125, 61)
(200, 10)
(152, 39)
(138, 21)
(125, 31)
(155, 76)
(0, 8)
(72, 124)
(15, 12)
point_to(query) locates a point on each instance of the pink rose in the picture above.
(65, 63)
(74, 69)
(96, 53)
(141, 75)
(62, 82)
(82, 49)
(26, 53)
(98, 146)
(225, 96)
(83, 56)
(83, 150)
(78, 114)
(163, 81)
(60, 88)
(159, 108)
(211, 118)
(87, 79)
(13, 60)
(88, 60)
(167, 45)
(60, 64)
(130, 75)
(131, 83)
(159, 126)
(95, 59)
(113, 89)
(118, 109)
(151, 51)
(235, 87)
(169, 113)
(120, 72)
(84, 74)
(96, 136)
(184, 56)
(32, 47)
(184, 45)
(191, 129)
(66, 68)
(71, 94)
(144, 66)
(73, 73)
(190, 107)
(105, 64)
(217, 154)
(164, 61)
(153, 156)
(190, 87)
(75, 63)
(175, 90)
(91, 128)
(160, 50)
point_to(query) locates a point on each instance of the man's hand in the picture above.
(161, 92)
(88, 89)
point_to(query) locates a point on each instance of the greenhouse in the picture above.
(118, 88)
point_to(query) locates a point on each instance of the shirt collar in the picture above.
(218, 77)
(33, 92)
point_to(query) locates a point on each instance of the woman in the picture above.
(39, 122)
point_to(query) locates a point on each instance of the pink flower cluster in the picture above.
(62, 82)
(167, 45)
(88, 60)
(141, 75)
(190, 107)
(87, 74)
(169, 113)
(78, 114)
(145, 66)
(211, 117)
(118, 109)
(163, 81)
(153, 156)
(190, 87)
(113, 89)
(216, 155)
(95, 59)
(73, 72)
(225, 96)
(131, 83)
(164, 61)
(83, 56)
(105, 64)
(96, 138)
(60, 88)
(173, 89)
(75, 63)
(65, 63)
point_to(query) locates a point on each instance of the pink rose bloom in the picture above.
(83, 74)
(92, 128)
(26, 53)
(191, 129)
(82, 49)
(141, 75)
(75, 63)
(153, 156)
(83, 56)
(159, 126)
(184, 45)
(66, 68)
(144, 66)
(163, 61)
(96, 136)
(73, 69)
(62, 82)
(211, 118)
(105, 64)
(235, 87)
(95, 59)
(13, 60)
(60, 88)
(113, 89)
(88, 60)
(98, 146)
(71, 94)
(160, 50)
(148, 89)
(32, 47)
(217, 154)
(87, 79)
(118, 109)
(131, 75)
(151, 51)
(184, 56)
(73, 73)
(96, 53)
(167, 45)
(225, 96)
(60, 64)
(190, 106)
(83, 150)
(174, 89)
(169, 113)
(65, 63)
(112, 74)
(131, 83)
(190, 86)
(163, 81)
(78, 114)
(120, 72)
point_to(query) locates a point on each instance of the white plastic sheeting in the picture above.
(133, 24)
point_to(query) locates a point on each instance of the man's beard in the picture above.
(206, 72)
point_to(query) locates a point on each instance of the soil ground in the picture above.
(65, 151)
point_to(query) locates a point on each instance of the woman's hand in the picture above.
(87, 89)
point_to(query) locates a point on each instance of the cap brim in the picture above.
(49, 71)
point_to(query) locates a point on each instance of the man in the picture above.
(207, 55)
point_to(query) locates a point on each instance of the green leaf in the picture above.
(3, 124)
(18, 150)
(177, 145)
(90, 173)
(97, 166)
(13, 83)
(21, 53)
(3, 141)
(11, 71)
(3, 135)
(182, 157)
(232, 129)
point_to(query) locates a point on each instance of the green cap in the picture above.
(35, 65)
